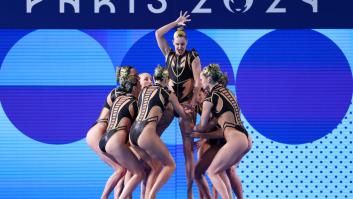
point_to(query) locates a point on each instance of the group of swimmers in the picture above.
(127, 133)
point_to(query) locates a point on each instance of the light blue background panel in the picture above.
(82, 62)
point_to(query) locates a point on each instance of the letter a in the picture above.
(74, 3)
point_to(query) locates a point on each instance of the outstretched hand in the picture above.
(183, 18)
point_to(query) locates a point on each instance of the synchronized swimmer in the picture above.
(127, 133)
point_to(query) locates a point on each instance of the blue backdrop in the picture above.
(294, 89)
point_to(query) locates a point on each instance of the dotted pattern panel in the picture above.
(322, 169)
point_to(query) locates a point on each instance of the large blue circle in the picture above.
(53, 84)
(294, 86)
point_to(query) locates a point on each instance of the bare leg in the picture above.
(214, 193)
(224, 159)
(156, 168)
(200, 194)
(235, 182)
(234, 179)
(227, 183)
(112, 182)
(203, 187)
(219, 184)
(120, 151)
(141, 156)
(200, 152)
(202, 147)
(93, 137)
(132, 183)
(151, 167)
(153, 145)
(126, 179)
(186, 127)
(200, 168)
(147, 170)
(119, 188)
(129, 187)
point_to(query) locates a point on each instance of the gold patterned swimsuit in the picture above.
(120, 109)
(150, 97)
(180, 72)
(212, 141)
(224, 101)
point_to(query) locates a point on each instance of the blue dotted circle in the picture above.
(294, 86)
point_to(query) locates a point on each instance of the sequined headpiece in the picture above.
(213, 71)
(125, 79)
(160, 73)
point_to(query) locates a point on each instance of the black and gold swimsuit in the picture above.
(224, 101)
(149, 98)
(180, 71)
(113, 95)
(122, 102)
(212, 141)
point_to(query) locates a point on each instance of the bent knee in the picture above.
(171, 165)
(156, 168)
(111, 148)
(90, 142)
(119, 173)
(93, 136)
(120, 170)
(212, 172)
(93, 144)
(90, 138)
(140, 174)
